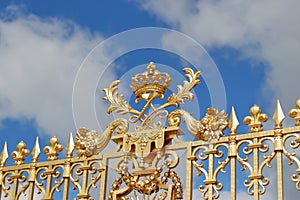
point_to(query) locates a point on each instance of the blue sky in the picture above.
(254, 45)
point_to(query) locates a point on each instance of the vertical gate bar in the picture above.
(66, 177)
(83, 195)
(103, 182)
(1, 180)
(278, 118)
(49, 183)
(255, 169)
(232, 178)
(67, 168)
(189, 172)
(278, 148)
(279, 176)
(66, 188)
(210, 172)
(3, 158)
(31, 180)
(32, 171)
(16, 184)
(232, 152)
(31, 190)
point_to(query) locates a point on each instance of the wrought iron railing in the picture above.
(147, 161)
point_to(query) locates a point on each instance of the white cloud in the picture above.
(39, 59)
(267, 31)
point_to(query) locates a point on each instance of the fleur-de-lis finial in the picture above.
(4, 155)
(295, 113)
(255, 119)
(53, 148)
(20, 154)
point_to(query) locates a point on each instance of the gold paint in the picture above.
(36, 150)
(233, 122)
(255, 119)
(232, 152)
(150, 84)
(147, 157)
(211, 126)
(70, 146)
(4, 155)
(53, 148)
(20, 154)
(89, 143)
(278, 115)
(295, 113)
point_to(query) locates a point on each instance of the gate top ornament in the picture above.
(149, 132)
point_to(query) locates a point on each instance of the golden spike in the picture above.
(255, 119)
(4, 155)
(70, 146)
(51, 150)
(278, 115)
(19, 154)
(295, 113)
(36, 150)
(233, 122)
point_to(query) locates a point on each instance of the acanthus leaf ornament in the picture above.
(184, 92)
(147, 155)
(145, 145)
(152, 84)
(118, 104)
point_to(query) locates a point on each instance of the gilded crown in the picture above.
(151, 83)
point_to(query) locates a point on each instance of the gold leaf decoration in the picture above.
(184, 92)
(118, 104)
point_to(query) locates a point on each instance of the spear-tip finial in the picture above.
(233, 122)
(278, 115)
(70, 146)
(36, 150)
(4, 155)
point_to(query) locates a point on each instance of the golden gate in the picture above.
(146, 158)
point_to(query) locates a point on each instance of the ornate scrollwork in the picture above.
(206, 154)
(295, 143)
(210, 126)
(257, 182)
(148, 153)
(148, 86)
(89, 143)
(148, 184)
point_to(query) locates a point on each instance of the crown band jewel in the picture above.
(149, 82)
